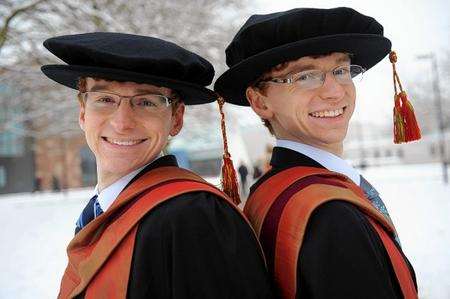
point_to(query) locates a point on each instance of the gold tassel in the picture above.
(229, 179)
(406, 127)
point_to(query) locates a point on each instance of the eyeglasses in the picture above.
(142, 104)
(311, 79)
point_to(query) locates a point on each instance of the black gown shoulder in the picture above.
(196, 246)
(343, 257)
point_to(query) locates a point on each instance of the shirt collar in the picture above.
(326, 159)
(107, 196)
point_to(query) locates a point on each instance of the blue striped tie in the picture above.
(373, 195)
(89, 213)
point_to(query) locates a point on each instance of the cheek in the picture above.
(92, 127)
(159, 126)
(352, 98)
(290, 107)
(351, 93)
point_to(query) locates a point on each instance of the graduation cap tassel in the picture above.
(405, 124)
(229, 179)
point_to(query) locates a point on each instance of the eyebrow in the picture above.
(103, 87)
(98, 87)
(302, 68)
(307, 67)
(144, 91)
(343, 59)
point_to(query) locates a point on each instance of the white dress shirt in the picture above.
(107, 196)
(326, 159)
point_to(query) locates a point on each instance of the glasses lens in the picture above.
(346, 74)
(101, 101)
(309, 79)
(357, 71)
(149, 103)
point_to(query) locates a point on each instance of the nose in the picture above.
(331, 88)
(123, 118)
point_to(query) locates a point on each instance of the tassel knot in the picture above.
(393, 57)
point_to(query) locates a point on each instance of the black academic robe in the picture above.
(342, 256)
(195, 246)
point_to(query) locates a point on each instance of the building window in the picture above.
(11, 143)
(2, 177)
(88, 167)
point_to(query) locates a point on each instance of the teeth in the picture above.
(123, 142)
(327, 113)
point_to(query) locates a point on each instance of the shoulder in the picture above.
(343, 229)
(193, 203)
(340, 244)
(191, 211)
(197, 220)
(340, 219)
(336, 211)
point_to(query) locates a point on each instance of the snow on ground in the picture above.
(419, 204)
(36, 228)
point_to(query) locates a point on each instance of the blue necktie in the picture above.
(89, 213)
(373, 195)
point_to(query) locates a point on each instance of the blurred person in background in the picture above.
(243, 174)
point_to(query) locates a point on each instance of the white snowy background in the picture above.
(35, 229)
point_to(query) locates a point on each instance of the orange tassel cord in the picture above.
(406, 127)
(229, 179)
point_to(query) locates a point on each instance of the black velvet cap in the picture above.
(133, 58)
(265, 41)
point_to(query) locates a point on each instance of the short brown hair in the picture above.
(261, 87)
(82, 88)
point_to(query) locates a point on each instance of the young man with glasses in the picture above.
(324, 229)
(151, 229)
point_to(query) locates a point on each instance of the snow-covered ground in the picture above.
(35, 229)
(419, 204)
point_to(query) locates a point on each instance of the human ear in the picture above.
(257, 101)
(81, 115)
(177, 120)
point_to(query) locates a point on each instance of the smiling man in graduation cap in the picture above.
(324, 229)
(151, 229)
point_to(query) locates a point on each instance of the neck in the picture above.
(106, 180)
(336, 149)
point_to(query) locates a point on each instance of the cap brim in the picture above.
(367, 50)
(69, 75)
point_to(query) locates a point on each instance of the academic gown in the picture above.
(195, 246)
(341, 256)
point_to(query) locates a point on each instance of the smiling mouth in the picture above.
(123, 142)
(328, 113)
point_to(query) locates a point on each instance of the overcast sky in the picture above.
(415, 27)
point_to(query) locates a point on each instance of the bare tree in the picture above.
(423, 95)
(46, 109)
